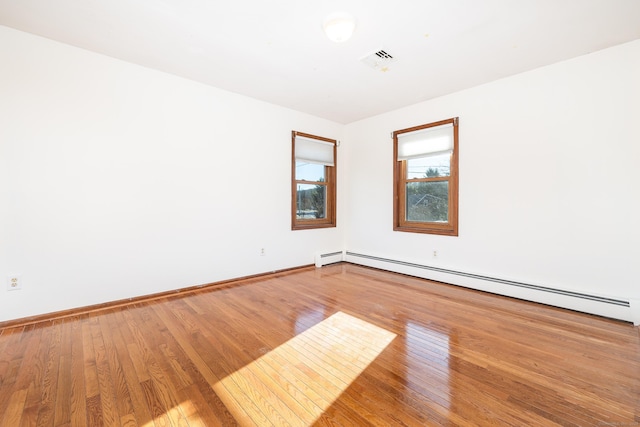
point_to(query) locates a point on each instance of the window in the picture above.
(425, 170)
(313, 190)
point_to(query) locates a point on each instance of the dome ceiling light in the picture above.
(339, 26)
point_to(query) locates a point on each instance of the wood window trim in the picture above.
(399, 187)
(330, 183)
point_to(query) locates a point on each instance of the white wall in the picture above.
(549, 178)
(118, 181)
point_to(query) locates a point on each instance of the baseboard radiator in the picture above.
(613, 307)
(329, 258)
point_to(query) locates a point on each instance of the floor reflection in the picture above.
(428, 359)
(308, 317)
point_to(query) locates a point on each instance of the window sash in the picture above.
(302, 203)
(403, 220)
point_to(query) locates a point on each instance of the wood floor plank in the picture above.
(34, 368)
(10, 360)
(14, 410)
(109, 413)
(164, 390)
(110, 333)
(304, 348)
(46, 410)
(78, 397)
(122, 345)
(135, 348)
(200, 411)
(29, 416)
(94, 411)
(30, 370)
(159, 414)
(200, 353)
(62, 407)
(89, 360)
(233, 404)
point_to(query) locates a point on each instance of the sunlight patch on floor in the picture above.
(183, 414)
(296, 382)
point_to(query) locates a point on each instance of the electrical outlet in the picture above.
(435, 254)
(263, 252)
(14, 283)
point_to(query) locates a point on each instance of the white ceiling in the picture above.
(275, 50)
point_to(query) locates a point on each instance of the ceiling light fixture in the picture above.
(339, 26)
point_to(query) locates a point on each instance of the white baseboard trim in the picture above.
(608, 306)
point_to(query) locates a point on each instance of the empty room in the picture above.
(336, 213)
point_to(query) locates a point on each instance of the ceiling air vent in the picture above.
(379, 60)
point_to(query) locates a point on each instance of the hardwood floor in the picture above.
(342, 346)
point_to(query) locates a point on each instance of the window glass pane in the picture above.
(309, 171)
(428, 201)
(429, 167)
(311, 201)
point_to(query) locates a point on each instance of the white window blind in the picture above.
(314, 151)
(427, 142)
